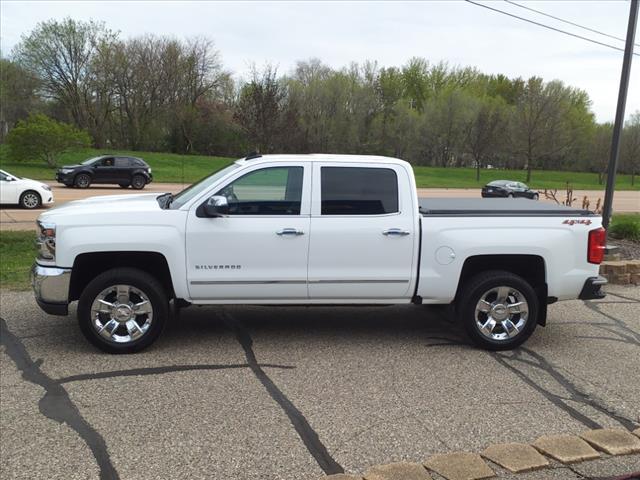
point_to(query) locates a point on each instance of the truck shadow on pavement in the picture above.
(433, 324)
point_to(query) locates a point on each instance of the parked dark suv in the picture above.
(125, 171)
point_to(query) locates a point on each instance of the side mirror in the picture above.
(216, 206)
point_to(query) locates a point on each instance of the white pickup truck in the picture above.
(312, 229)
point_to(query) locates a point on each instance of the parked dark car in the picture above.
(508, 188)
(124, 171)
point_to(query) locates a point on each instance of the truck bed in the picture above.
(496, 207)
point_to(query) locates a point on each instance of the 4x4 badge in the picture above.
(574, 222)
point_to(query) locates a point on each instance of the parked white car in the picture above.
(313, 229)
(23, 191)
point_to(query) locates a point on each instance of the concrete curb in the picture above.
(514, 457)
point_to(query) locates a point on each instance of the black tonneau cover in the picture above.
(496, 207)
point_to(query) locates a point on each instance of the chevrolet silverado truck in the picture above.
(312, 229)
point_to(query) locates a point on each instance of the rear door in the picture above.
(123, 166)
(363, 233)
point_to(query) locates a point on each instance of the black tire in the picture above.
(510, 195)
(138, 182)
(473, 292)
(82, 180)
(535, 196)
(138, 279)
(30, 200)
(124, 185)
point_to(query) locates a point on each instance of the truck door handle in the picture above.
(289, 231)
(396, 232)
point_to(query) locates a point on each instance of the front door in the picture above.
(363, 233)
(260, 250)
(105, 171)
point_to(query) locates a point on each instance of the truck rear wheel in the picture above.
(123, 310)
(498, 310)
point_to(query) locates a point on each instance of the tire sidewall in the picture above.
(129, 276)
(24, 194)
(476, 287)
(140, 186)
(80, 176)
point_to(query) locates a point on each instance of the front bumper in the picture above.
(592, 289)
(66, 178)
(51, 288)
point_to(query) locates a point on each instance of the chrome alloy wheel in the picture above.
(121, 313)
(30, 200)
(501, 313)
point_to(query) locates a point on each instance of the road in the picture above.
(293, 393)
(19, 219)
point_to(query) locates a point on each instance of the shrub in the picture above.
(626, 226)
(42, 138)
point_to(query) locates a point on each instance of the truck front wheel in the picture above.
(123, 310)
(498, 310)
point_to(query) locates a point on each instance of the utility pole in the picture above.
(619, 124)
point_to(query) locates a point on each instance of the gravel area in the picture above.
(628, 249)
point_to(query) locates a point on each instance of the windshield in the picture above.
(197, 188)
(90, 160)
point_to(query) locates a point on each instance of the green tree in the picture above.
(549, 121)
(42, 138)
(261, 108)
(483, 131)
(18, 95)
(72, 59)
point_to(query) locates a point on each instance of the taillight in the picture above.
(597, 245)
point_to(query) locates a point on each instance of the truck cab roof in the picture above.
(321, 157)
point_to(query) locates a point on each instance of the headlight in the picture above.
(149, 169)
(46, 187)
(46, 241)
(65, 170)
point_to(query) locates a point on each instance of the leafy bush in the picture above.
(626, 226)
(42, 138)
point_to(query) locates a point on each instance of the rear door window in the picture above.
(358, 191)
(122, 162)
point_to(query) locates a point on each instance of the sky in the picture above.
(389, 32)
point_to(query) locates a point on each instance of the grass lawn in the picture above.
(17, 253)
(170, 167)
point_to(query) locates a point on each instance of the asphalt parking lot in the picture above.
(294, 393)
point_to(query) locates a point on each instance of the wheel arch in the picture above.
(531, 268)
(28, 190)
(139, 171)
(80, 172)
(87, 266)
